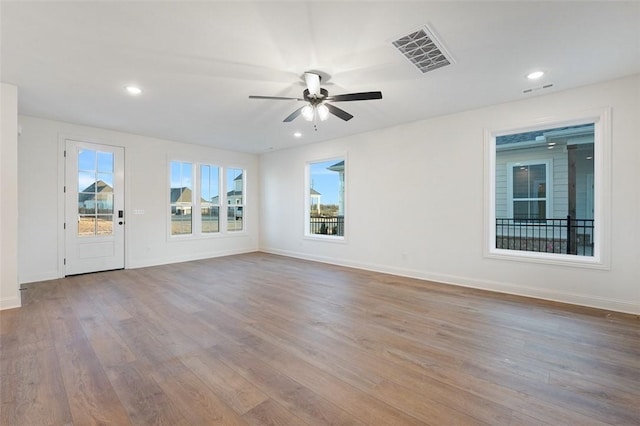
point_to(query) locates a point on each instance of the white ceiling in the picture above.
(198, 62)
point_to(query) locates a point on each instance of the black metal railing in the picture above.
(327, 225)
(567, 235)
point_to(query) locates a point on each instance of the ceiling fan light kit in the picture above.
(323, 112)
(317, 100)
(307, 112)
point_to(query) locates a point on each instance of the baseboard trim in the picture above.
(188, 258)
(488, 285)
(46, 276)
(10, 303)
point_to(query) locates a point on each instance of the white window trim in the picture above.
(307, 200)
(548, 163)
(601, 258)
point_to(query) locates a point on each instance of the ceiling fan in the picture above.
(317, 100)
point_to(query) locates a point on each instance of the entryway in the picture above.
(94, 207)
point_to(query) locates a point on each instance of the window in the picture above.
(235, 199)
(196, 198)
(181, 196)
(325, 204)
(527, 189)
(209, 198)
(546, 191)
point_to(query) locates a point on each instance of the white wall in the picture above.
(9, 293)
(428, 218)
(146, 185)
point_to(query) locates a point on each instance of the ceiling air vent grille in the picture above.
(423, 50)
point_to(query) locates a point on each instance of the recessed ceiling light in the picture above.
(133, 90)
(297, 135)
(535, 75)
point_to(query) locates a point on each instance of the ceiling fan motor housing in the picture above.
(315, 99)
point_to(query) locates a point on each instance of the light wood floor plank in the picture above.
(229, 385)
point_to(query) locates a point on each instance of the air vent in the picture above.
(534, 89)
(424, 50)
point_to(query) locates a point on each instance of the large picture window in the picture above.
(325, 191)
(546, 191)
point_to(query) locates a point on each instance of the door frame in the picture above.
(62, 138)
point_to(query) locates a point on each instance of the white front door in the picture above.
(94, 207)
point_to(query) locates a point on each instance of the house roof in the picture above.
(338, 167)
(314, 192)
(531, 136)
(181, 195)
(89, 193)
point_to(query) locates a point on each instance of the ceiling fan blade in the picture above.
(313, 83)
(340, 113)
(363, 96)
(284, 98)
(293, 115)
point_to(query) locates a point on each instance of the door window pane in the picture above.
(104, 225)
(87, 160)
(105, 162)
(86, 180)
(86, 226)
(104, 203)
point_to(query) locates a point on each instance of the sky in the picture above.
(326, 182)
(92, 166)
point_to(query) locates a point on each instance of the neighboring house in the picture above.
(545, 174)
(234, 198)
(235, 195)
(315, 200)
(181, 201)
(96, 197)
(339, 167)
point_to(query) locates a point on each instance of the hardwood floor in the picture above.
(264, 339)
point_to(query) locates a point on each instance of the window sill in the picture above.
(575, 261)
(326, 238)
